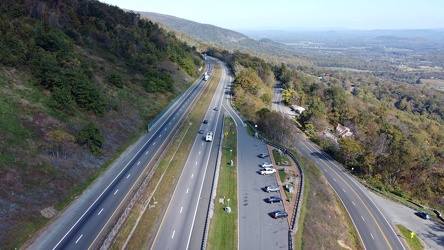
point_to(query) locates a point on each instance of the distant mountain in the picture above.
(227, 39)
(202, 32)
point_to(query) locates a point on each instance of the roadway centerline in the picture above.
(356, 194)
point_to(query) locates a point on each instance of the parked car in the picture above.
(205, 121)
(201, 131)
(271, 188)
(279, 214)
(273, 199)
(266, 164)
(267, 171)
(424, 215)
(263, 155)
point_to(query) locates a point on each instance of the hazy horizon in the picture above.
(294, 15)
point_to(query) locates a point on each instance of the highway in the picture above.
(374, 229)
(182, 225)
(84, 224)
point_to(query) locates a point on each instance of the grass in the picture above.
(282, 175)
(223, 228)
(413, 242)
(165, 177)
(281, 160)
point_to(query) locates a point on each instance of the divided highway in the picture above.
(182, 225)
(84, 224)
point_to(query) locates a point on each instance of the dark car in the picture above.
(273, 199)
(279, 214)
(424, 215)
(201, 131)
(271, 188)
(263, 155)
(215, 109)
(205, 121)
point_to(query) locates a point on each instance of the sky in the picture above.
(299, 14)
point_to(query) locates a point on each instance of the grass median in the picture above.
(223, 232)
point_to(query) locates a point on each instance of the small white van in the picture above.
(209, 136)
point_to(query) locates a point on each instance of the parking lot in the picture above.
(257, 228)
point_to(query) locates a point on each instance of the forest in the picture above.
(79, 80)
(398, 142)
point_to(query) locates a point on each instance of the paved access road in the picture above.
(373, 228)
(84, 224)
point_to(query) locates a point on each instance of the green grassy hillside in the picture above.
(78, 80)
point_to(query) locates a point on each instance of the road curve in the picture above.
(373, 228)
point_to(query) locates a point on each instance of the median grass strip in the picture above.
(411, 239)
(223, 232)
(170, 168)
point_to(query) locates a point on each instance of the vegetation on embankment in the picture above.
(79, 79)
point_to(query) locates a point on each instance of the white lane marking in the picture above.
(187, 190)
(147, 152)
(154, 143)
(202, 143)
(100, 211)
(116, 191)
(160, 136)
(181, 210)
(128, 176)
(362, 218)
(344, 190)
(334, 179)
(169, 123)
(192, 175)
(138, 163)
(172, 236)
(79, 238)
(372, 235)
(354, 204)
(196, 163)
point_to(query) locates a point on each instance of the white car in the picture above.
(267, 171)
(266, 164)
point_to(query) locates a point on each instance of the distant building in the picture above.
(343, 131)
(297, 109)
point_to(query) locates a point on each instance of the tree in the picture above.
(91, 136)
(350, 151)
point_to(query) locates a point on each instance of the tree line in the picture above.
(397, 144)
